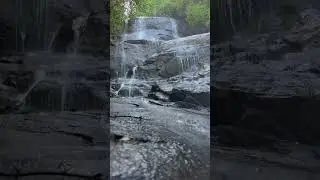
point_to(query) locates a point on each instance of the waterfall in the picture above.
(31, 21)
(134, 69)
(174, 27)
(123, 53)
(148, 30)
(140, 27)
(38, 77)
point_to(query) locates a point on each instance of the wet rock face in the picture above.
(178, 55)
(50, 24)
(268, 85)
(52, 97)
(130, 53)
(181, 66)
(55, 82)
(177, 64)
(189, 90)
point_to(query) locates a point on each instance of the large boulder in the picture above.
(160, 58)
(179, 55)
(188, 90)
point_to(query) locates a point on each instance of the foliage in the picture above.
(154, 7)
(198, 13)
(117, 18)
(195, 12)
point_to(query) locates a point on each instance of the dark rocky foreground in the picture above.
(239, 163)
(54, 145)
(50, 134)
(147, 142)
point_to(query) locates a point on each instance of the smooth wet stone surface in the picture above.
(162, 143)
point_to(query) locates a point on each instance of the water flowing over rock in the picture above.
(49, 26)
(56, 82)
(152, 28)
(166, 59)
(158, 116)
(53, 97)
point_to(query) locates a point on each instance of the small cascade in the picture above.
(181, 63)
(123, 61)
(190, 58)
(122, 85)
(128, 81)
(174, 27)
(39, 76)
(123, 53)
(153, 28)
(140, 27)
(31, 19)
(40, 14)
(131, 81)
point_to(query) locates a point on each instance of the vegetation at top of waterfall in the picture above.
(194, 12)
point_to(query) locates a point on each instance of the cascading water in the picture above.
(149, 31)
(62, 84)
(122, 85)
(128, 81)
(124, 70)
(123, 53)
(35, 39)
(32, 19)
(174, 27)
(134, 69)
(39, 76)
(140, 27)
(188, 58)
